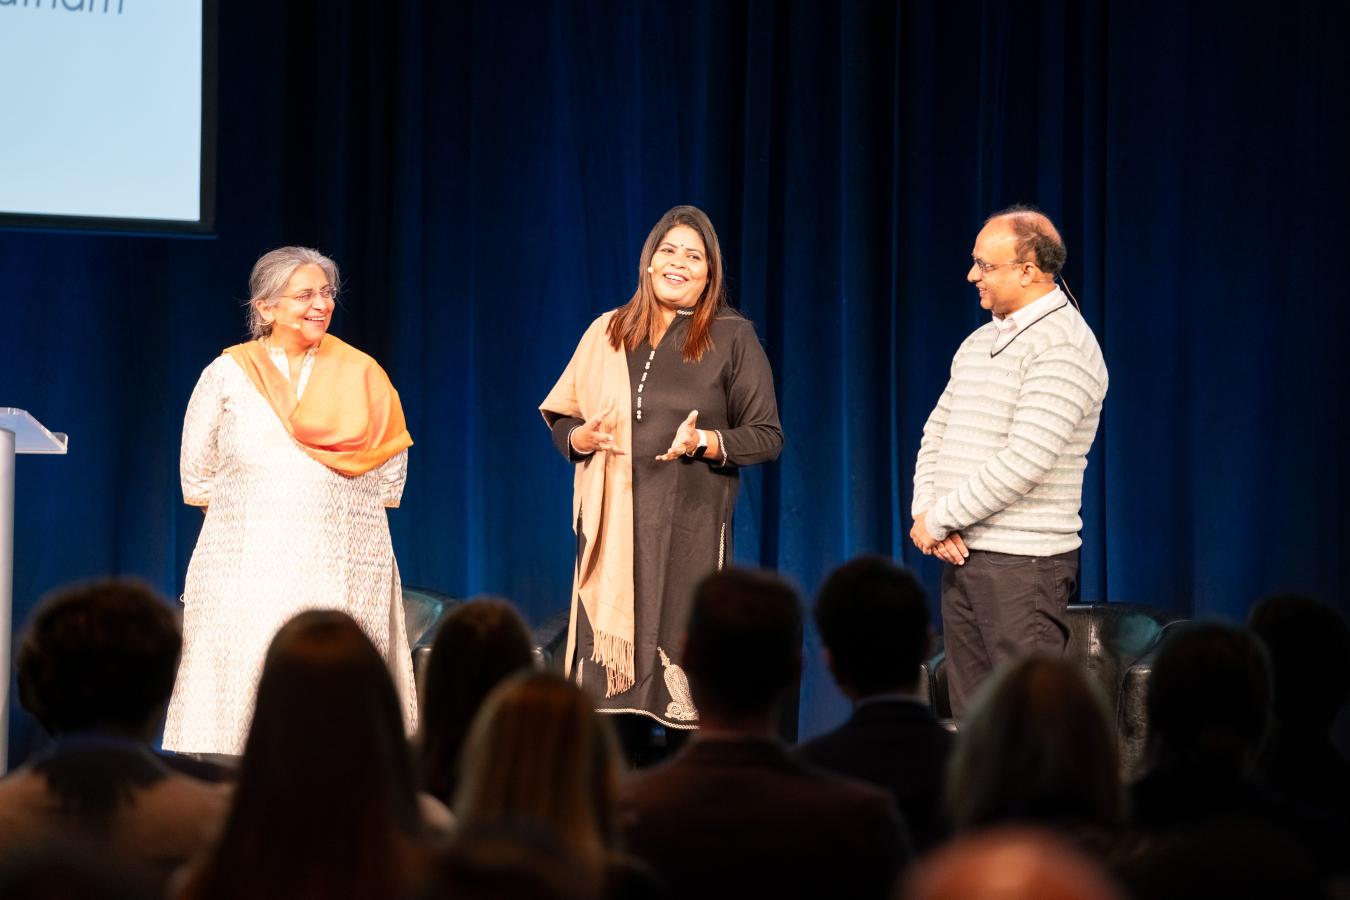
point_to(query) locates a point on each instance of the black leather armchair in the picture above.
(550, 641)
(1113, 641)
(424, 608)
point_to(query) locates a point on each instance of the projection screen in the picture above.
(107, 114)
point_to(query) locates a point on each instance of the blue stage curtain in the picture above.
(485, 173)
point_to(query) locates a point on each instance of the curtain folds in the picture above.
(485, 173)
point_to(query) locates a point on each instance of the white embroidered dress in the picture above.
(283, 533)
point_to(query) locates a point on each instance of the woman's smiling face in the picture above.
(680, 268)
(303, 311)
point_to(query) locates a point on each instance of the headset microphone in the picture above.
(1070, 293)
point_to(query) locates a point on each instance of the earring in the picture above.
(649, 270)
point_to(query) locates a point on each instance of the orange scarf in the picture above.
(350, 418)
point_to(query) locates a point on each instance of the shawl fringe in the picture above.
(616, 655)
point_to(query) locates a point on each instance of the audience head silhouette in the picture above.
(1309, 647)
(1208, 698)
(100, 657)
(1009, 864)
(96, 667)
(742, 649)
(539, 754)
(325, 805)
(477, 646)
(873, 619)
(1038, 746)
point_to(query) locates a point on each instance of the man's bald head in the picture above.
(1037, 237)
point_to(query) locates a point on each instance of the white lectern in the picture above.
(19, 433)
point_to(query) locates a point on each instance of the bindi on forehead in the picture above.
(684, 237)
(696, 248)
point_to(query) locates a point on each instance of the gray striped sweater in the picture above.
(1003, 453)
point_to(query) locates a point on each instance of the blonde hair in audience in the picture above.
(539, 753)
(1038, 746)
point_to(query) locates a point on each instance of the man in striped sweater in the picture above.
(999, 479)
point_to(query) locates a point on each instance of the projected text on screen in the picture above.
(109, 6)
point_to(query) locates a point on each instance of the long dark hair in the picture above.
(640, 317)
(477, 646)
(325, 805)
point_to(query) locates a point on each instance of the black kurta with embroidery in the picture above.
(682, 509)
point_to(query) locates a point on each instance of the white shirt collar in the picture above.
(278, 357)
(1008, 326)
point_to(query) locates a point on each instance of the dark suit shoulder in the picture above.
(746, 767)
(899, 747)
(877, 733)
(764, 776)
(745, 818)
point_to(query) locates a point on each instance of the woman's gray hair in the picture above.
(272, 272)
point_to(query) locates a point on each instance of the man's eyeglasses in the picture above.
(986, 268)
(327, 293)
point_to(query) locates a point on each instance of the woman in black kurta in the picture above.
(683, 496)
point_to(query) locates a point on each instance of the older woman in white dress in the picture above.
(294, 443)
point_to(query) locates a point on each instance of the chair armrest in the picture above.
(1132, 715)
(933, 682)
(550, 641)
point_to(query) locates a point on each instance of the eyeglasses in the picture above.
(986, 268)
(327, 293)
(989, 267)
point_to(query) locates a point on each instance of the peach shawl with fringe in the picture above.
(349, 419)
(602, 497)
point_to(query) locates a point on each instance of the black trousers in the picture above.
(997, 607)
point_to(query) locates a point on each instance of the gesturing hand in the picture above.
(596, 433)
(686, 439)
